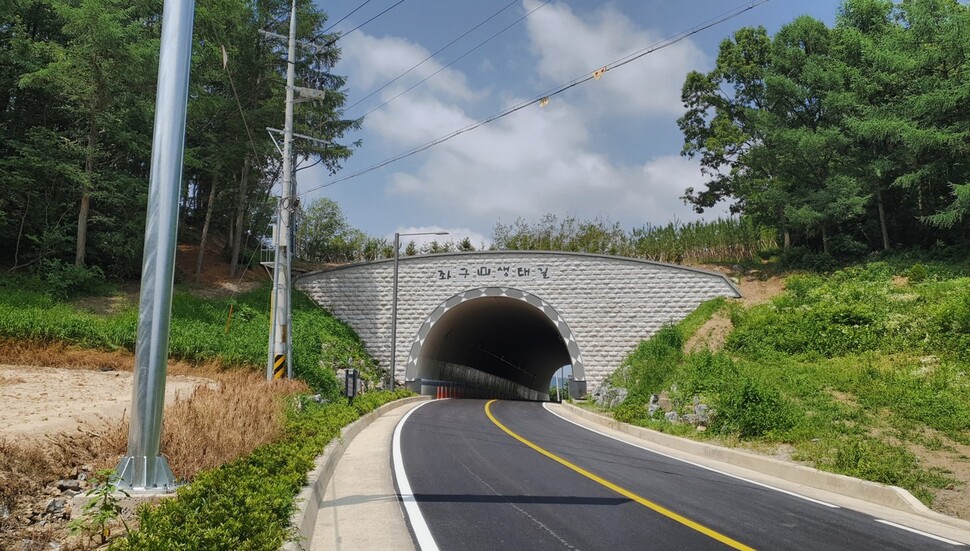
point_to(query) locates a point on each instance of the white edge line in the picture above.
(418, 525)
(920, 532)
(705, 467)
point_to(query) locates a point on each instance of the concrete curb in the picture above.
(873, 492)
(304, 519)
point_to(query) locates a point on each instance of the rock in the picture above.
(608, 396)
(69, 493)
(671, 416)
(703, 412)
(691, 419)
(58, 508)
(664, 402)
(652, 408)
(73, 485)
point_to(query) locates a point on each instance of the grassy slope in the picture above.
(199, 330)
(245, 503)
(855, 371)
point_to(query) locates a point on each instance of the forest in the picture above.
(847, 139)
(77, 89)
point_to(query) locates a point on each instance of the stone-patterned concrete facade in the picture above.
(609, 303)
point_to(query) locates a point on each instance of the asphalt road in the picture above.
(479, 487)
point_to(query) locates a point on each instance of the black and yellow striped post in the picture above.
(279, 366)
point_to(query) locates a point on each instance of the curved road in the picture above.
(512, 475)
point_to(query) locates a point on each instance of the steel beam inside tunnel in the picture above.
(498, 335)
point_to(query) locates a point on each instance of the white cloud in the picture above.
(540, 161)
(569, 47)
(536, 160)
(375, 61)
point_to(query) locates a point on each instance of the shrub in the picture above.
(752, 409)
(64, 280)
(804, 258)
(633, 410)
(246, 504)
(917, 273)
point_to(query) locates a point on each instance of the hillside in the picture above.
(863, 372)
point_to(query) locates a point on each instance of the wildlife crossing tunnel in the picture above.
(502, 323)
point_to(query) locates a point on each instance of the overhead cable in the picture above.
(341, 20)
(334, 40)
(459, 58)
(438, 51)
(543, 99)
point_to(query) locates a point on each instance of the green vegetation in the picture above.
(852, 369)
(103, 508)
(199, 332)
(730, 240)
(77, 95)
(844, 139)
(246, 504)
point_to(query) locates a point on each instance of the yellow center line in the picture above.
(619, 489)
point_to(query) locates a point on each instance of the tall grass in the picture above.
(722, 240)
(246, 504)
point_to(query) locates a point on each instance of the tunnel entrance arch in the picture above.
(492, 333)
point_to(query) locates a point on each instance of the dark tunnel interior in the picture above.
(500, 336)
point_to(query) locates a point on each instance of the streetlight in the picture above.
(397, 247)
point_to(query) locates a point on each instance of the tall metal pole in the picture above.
(143, 469)
(397, 246)
(279, 331)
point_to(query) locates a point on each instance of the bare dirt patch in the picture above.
(712, 335)
(59, 425)
(756, 288)
(39, 401)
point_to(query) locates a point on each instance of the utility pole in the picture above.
(280, 355)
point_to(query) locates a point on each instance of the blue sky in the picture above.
(609, 148)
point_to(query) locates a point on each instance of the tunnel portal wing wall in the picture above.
(609, 303)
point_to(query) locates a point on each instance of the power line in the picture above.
(446, 46)
(459, 58)
(341, 20)
(667, 42)
(334, 40)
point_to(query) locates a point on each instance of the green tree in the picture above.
(100, 73)
(848, 132)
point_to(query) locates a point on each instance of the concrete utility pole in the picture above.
(280, 347)
(280, 355)
(143, 469)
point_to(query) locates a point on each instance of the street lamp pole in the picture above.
(397, 250)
